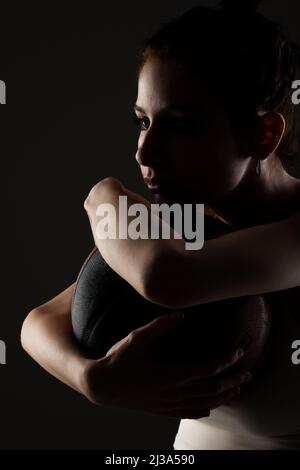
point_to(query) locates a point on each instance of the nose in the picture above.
(150, 149)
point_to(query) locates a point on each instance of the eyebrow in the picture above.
(172, 107)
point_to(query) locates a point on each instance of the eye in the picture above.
(171, 124)
(140, 122)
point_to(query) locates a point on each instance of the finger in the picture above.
(205, 388)
(214, 387)
(157, 327)
(203, 402)
(218, 365)
(183, 373)
(224, 398)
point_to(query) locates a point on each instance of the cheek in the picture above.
(198, 158)
(213, 168)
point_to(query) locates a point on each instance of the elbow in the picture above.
(160, 285)
(25, 330)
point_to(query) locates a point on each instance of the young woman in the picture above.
(217, 124)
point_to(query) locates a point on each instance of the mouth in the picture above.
(156, 186)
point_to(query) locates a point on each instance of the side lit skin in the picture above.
(206, 161)
(208, 165)
(238, 264)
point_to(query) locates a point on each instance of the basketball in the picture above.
(105, 309)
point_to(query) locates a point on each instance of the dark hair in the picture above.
(241, 53)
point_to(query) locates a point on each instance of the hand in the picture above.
(128, 378)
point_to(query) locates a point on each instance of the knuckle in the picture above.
(229, 386)
(214, 369)
(221, 388)
(132, 337)
(236, 379)
(234, 391)
(230, 393)
(240, 378)
(217, 389)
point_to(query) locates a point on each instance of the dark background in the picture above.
(71, 85)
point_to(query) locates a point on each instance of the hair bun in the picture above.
(240, 5)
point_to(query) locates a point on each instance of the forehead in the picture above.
(163, 83)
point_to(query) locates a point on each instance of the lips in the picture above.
(155, 185)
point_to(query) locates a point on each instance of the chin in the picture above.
(184, 198)
(164, 198)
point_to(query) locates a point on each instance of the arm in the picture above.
(131, 259)
(260, 259)
(47, 336)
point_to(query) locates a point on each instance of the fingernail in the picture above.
(247, 377)
(239, 353)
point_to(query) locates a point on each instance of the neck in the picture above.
(257, 200)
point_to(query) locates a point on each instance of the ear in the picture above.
(269, 132)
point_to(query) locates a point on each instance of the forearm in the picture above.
(132, 259)
(252, 261)
(47, 336)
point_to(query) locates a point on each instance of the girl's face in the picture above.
(186, 139)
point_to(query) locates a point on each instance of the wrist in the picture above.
(91, 379)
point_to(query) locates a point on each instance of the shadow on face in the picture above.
(186, 138)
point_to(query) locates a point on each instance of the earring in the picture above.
(257, 168)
